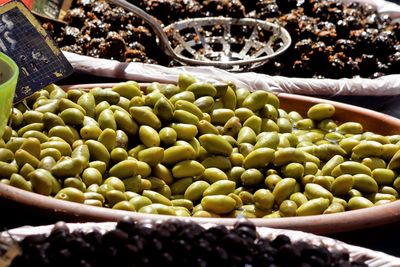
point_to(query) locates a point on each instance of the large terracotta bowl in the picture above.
(319, 224)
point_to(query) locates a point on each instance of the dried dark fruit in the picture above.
(173, 243)
(352, 29)
(226, 8)
(267, 9)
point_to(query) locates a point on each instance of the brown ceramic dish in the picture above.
(320, 224)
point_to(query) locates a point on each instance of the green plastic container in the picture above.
(8, 81)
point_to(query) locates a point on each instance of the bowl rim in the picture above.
(14, 68)
(317, 224)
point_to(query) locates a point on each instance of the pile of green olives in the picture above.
(195, 149)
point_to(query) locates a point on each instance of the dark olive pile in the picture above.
(99, 30)
(330, 39)
(173, 243)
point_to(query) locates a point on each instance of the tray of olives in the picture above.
(161, 243)
(344, 39)
(204, 151)
(334, 45)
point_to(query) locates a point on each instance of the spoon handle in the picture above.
(154, 24)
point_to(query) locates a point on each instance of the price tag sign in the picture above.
(39, 59)
(54, 9)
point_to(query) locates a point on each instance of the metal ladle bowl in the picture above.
(203, 48)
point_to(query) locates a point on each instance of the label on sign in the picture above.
(39, 60)
(54, 9)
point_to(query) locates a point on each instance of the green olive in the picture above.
(219, 204)
(288, 208)
(202, 89)
(215, 144)
(263, 199)
(313, 207)
(321, 111)
(213, 175)
(156, 197)
(359, 202)
(283, 189)
(187, 168)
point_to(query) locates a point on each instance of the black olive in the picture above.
(394, 62)
(335, 15)
(244, 223)
(342, 29)
(286, 5)
(336, 68)
(269, 10)
(384, 43)
(302, 68)
(280, 240)
(308, 6)
(100, 7)
(353, 23)
(96, 29)
(75, 17)
(351, 68)
(321, 11)
(288, 255)
(225, 8)
(368, 64)
(345, 46)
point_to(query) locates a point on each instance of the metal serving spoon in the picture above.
(207, 50)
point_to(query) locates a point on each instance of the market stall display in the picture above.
(198, 152)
